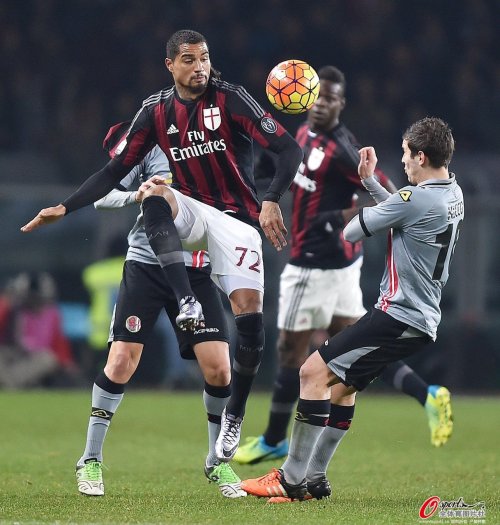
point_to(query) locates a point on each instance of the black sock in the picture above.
(340, 416)
(404, 379)
(246, 361)
(285, 395)
(165, 242)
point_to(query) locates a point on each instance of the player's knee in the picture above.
(246, 301)
(120, 367)
(157, 191)
(314, 370)
(218, 374)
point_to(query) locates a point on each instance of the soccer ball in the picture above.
(292, 86)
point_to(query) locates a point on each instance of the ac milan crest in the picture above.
(133, 324)
(315, 159)
(211, 118)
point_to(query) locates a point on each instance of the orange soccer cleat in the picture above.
(274, 484)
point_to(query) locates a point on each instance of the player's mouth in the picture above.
(317, 116)
(199, 78)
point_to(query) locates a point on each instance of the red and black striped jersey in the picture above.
(209, 145)
(326, 181)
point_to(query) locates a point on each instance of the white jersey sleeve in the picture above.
(118, 198)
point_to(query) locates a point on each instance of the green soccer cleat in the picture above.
(227, 480)
(256, 450)
(438, 408)
(89, 478)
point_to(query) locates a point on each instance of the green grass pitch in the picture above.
(155, 449)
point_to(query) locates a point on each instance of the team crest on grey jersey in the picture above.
(212, 118)
(315, 159)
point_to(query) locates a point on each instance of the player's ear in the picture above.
(342, 103)
(169, 64)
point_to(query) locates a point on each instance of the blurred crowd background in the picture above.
(69, 69)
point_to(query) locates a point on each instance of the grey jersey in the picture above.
(423, 223)
(154, 163)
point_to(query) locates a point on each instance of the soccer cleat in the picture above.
(190, 314)
(229, 437)
(438, 408)
(89, 478)
(256, 450)
(318, 489)
(227, 480)
(274, 485)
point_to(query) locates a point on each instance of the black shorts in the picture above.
(144, 292)
(358, 354)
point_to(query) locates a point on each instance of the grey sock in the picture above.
(323, 452)
(214, 407)
(104, 405)
(302, 444)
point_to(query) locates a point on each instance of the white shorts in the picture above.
(234, 248)
(310, 297)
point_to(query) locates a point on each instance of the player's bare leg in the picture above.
(247, 308)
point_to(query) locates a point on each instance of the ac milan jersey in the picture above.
(326, 180)
(424, 223)
(208, 142)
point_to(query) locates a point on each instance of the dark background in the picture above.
(70, 69)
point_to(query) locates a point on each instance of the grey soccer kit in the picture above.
(423, 223)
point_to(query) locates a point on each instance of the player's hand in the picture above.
(45, 216)
(271, 222)
(367, 162)
(155, 180)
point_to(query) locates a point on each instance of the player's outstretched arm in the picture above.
(271, 222)
(367, 162)
(45, 216)
(95, 187)
(366, 169)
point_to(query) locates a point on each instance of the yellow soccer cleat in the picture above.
(438, 409)
(256, 450)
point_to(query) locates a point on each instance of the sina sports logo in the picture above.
(452, 509)
(133, 324)
(269, 125)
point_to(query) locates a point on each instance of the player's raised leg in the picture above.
(160, 208)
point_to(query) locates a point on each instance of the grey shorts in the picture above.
(359, 353)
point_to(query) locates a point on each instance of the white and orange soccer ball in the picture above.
(292, 86)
